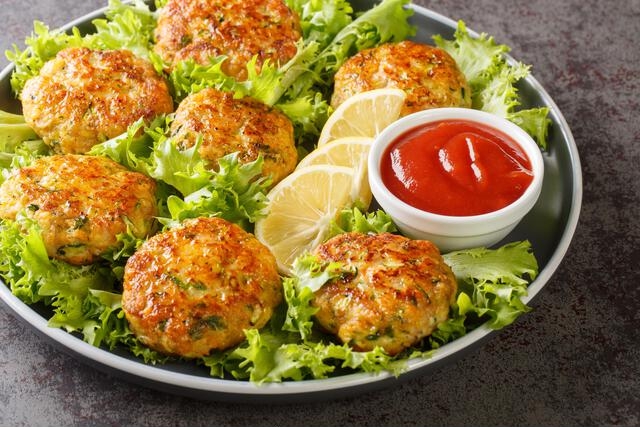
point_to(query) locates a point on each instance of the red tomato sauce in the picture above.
(456, 167)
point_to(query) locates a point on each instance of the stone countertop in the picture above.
(574, 360)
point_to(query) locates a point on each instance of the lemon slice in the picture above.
(350, 151)
(301, 208)
(364, 114)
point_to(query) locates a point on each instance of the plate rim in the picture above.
(221, 389)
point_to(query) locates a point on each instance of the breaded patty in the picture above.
(83, 97)
(400, 291)
(429, 76)
(238, 29)
(229, 125)
(195, 288)
(81, 204)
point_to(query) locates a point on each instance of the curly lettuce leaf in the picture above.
(308, 114)
(355, 220)
(322, 20)
(309, 274)
(492, 283)
(24, 262)
(21, 155)
(110, 328)
(237, 193)
(267, 357)
(309, 74)
(81, 297)
(535, 122)
(133, 148)
(499, 94)
(41, 46)
(507, 264)
(385, 22)
(476, 57)
(493, 80)
(148, 149)
(127, 26)
(183, 169)
(188, 77)
(315, 360)
(19, 144)
(127, 244)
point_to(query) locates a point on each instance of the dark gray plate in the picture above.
(549, 227)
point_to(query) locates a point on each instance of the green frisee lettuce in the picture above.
(494, 281)
(81, 297)
(18, 142)
(354, 219)
(126, 26)
(235, 192)
(493, 80)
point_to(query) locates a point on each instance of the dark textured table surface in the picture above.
(574, 360)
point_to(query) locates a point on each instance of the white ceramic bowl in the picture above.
(455, 232)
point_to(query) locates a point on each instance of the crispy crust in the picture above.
(428, 75)
(81, 203)
(400, 291)
(238, 29)
(83, 97)
(195, 288)
(229, 125)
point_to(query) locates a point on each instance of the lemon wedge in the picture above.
(363, 114)
(350, 151)
(301, 208)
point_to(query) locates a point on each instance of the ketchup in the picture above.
(456, 167)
